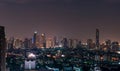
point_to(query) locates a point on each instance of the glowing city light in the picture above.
(35, 32)
(31, 55)
(119, 63)
(118, 52)
(62, 55)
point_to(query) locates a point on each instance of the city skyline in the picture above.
(74, 19)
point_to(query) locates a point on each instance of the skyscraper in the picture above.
(27, 43)
(54, 41)
(18, 44)
(34, 39)
(64, 42)
(43, 41)
(90, 44)
(70, 44)
(2, 49)
(10, 43)
(49, 43)
(97, 38)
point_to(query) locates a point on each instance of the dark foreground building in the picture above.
(2, 49)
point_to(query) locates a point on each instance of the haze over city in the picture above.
(67, 18)
(59, 35)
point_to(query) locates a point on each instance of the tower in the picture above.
(90, 44)
(97, 38)
(2, 49)
(11, 43)
(34, 39)
(26, 43)
(54, 41)
(70, 43)
(43, 40)
(65, 42)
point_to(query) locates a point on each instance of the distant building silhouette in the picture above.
(108, 44)
(70, 43)
(115, 46)
(90, 44)
(10, 43)
(55, 41)
(26, 43)
(2, 49)
(97, 39)
(79, 44)
(64, 42)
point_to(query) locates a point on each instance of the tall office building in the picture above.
(64, 42)
(115, 46)
(108, 44)
(79, 44)
(97, 38)
(34, 39)
(2, 49)
(26, 43)
(49, 43)
(10, 43)
(90, 44)
(18, 44)
(54, 41)
(75, 42)
(70, 44)
(43, 41)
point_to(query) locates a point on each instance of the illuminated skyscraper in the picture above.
(34, 39)
(43, 41)
(2, 49)
(49, 43)
(18, 44)
(97, 38)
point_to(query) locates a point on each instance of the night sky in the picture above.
(62, 18)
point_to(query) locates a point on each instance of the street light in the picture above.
(118, 52)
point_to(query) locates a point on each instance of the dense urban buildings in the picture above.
(59, 35)
(42, 53)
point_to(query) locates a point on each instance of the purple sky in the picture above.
(70, 18)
